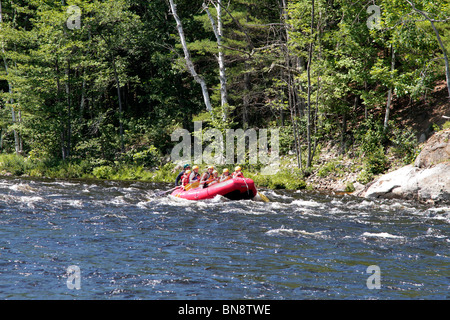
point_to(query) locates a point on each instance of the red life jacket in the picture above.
(185, 180)
(238, 174)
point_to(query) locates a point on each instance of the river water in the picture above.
(128, 243)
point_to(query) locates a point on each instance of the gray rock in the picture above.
(422, 138)
(436, 150)
(427, 180)
(410, 182)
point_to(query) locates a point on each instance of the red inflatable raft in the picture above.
(233, 189)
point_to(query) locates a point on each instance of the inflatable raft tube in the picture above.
(233, 189)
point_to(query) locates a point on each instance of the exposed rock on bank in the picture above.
(427, 180)
(436, 150)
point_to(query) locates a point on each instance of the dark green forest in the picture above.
(97, 84)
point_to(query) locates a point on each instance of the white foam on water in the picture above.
(118, 200)
(62, 183)
(309, 213)
(22, 187)
(384, 235)
(307, 203)
(278, 205)
(143, 204)
(366, 204)
(28, 199)
(439, 209)
(75, 203)
(336, 202)
(273, 194)
(293, 232)
(434, 234)
(115, 215)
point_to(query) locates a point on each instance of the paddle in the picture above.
(164, 192)
(192, 185)
(263, 197)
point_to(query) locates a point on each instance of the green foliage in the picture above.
(376, 162)
(446, 125)
(349, 187)
(103, 172)
(364, 177)
(370, 135)
(371, 138)
(14, 164)
(284, 179)
(148, 157)
(285, 139)
(405, 145)
(328, 168)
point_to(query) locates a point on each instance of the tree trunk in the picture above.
(308, 128)
(187, 57)
(389, 99)
(444, 50)
(344, 130)
(62, 131)
(69, 116)
(316, 111)
(366, 111)
(218, 32)
(291, 87)
(116, 77)
(222, 72)
(83, 97)
(246, 97)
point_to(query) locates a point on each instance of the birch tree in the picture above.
(187, 57)
(438, 37)
(218, 32)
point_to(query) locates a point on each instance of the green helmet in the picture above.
(186, 166)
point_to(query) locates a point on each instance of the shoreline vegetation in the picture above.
(331, 171)
(20, 166)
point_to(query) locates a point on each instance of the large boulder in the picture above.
(427, 180)
(410, 182)
(436, 150)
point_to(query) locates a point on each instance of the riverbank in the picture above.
(17, 165)
(331, 172)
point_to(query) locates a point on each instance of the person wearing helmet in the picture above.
(185, 179)
(237, 173)
(181, 174)
(207, 177)
(215, 178)
(194, 176)
(225, 175)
